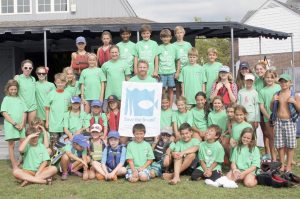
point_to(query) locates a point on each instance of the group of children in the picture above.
(215, 122)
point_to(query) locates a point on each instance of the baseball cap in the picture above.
(80, 140)
(80, 40)
(224, 69)
(113, 134)
(96, 103)
(96, 127)
(112, 98)
(249, 76)
(244, 64)
(167, 130)
(285, 76)
(75, 99)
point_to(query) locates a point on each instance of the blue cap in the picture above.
(244, 64)
(113, 134)
(81, 141)
(96, 103)
(75, 99)
(80, 40)
(225, 69)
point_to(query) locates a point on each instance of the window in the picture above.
(52, 6)
(15, 6)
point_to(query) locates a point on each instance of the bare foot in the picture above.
(133, 179)
(24, 183)
(174, 181)
(167, 176)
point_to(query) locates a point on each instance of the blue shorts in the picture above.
(156, 167)
(145, 172)
(168, 80)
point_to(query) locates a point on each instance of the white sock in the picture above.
(212, 183)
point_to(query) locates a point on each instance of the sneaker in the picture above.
(64, 176)
(212, 183)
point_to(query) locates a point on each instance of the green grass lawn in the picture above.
(75, 188)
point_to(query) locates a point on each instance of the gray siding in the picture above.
(84, 9)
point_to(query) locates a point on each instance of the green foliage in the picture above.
(222, 46)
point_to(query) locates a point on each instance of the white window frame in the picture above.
(52, 8)
(16, 9)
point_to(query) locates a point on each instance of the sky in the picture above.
(187, 10)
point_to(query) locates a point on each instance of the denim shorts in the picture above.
(168, 80)
(145, 172)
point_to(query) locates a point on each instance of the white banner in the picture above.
(141, 103)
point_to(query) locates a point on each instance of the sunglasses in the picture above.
(41, 73)
(28, 68)
(166, 134)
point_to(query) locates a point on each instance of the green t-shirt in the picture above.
(74, 90)
(115, 73)
(218, 118)
(15, 108)
(237, 129)
(27, 91)
(103, 117)
(259, 83)
(74, 122)
(166, 118)
(182, 146)
(147, 50)
(249, 99)
(265, 97)
(167, 56)
(182, 51)
(58, 103)
(92, 78)
(34, 156)
(140, 153)
(69, 147)
(149, 79)
(245, 159)
(198, 120)
(212, 72)
(210, 153)
(180, 118)
(192, 77)
(127, 53)
(42, 89)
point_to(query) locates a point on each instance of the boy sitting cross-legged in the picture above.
(183, 154)
(139, 156)
(35, 167)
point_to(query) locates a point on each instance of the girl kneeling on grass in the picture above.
(245, 159)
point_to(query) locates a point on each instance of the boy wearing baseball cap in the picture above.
(79, 59)
(75, 158)
(286, 107)
(113, 159)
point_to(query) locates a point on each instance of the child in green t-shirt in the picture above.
(146, 49)
(13, 110)
(168, 65)
(35, 167)
(211, 69)
(139, 156)
(211, 157)
(260, 70)
(199, 116)
(75, 158)
(127, 48)
(182, 51)
(44, 136)
(180, 116)
(192, 78)
(56, 106)
(240, 117)
(183, 154)
(166, 112)
(42, 89)
(75, 120)
(218, 116)
(73, 85)
(245, 159)
(92, 83)
(265, 97)
(98, 117)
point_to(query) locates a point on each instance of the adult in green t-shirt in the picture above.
(142, 73)
(115, 72)
(27, 89)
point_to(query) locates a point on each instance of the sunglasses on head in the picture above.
(41, 73)
(166, 134)
(28, 68)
